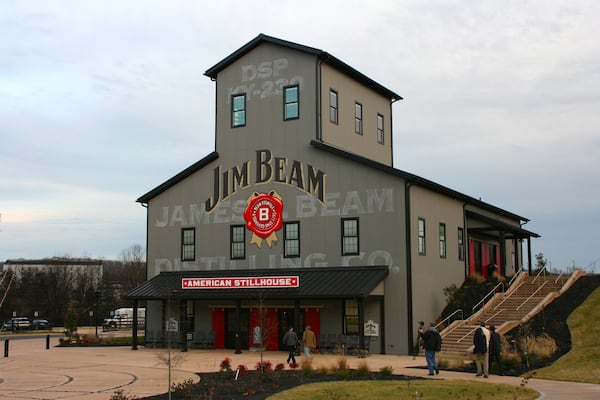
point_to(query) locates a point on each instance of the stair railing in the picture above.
(515, 276)
(490, 294)
(441, 323)
(532, 294)
(543, 270)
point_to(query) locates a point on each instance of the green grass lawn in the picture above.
(421, 389)
(582, 363)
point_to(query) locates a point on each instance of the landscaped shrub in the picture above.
(386, 371)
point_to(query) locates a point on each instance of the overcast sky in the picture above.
(102, 101)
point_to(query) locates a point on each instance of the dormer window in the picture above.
(291, 102)
(238, 110)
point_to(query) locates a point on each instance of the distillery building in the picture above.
(298, 217)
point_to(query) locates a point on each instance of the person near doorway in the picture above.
(309, 341)
(495, 350)
(290, 340)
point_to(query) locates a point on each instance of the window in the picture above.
(442, 240)
(350, 317)
(350, 236)
(238, 110)
(188, 244)
(189, 315)
(291, 103)
(379, 128)
(358, 118)
(421, 237)
(291, 239)
(333, 106)
(461, 244)
(238, 242)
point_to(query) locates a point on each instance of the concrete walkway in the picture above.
(33, 372)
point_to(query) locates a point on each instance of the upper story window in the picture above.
(291, 239)
(350, 245)
(238, 242)
(379, 128)
(238, 110)
(358, 118)
(291, 102)
(461, 244)
(442, 240)
(188, 244)
(421, 236)
(333, 106)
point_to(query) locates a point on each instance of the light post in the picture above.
(98, 297)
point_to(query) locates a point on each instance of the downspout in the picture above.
(409, 301)
(318, 89)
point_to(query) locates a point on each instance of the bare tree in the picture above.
(134, 266)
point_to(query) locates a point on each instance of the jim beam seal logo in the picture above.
(264, 216)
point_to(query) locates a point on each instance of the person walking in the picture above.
(432, 343)
(309, 341)
(495, 350)
(480, 349)
(290, 339)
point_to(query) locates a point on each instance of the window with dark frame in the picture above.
(421, 236)
(351, 317)
(291, 102)
(189, 315)
(188, 244)
(358, 118)
(442, 240)
(350, 243)
(238, 110)
(333, 106)
(461, 244)
(291, 239)
(238, 242)
(380, 136)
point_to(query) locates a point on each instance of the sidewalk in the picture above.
(94, 373)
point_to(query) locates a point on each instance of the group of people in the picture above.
(487, 347)
(290, 340)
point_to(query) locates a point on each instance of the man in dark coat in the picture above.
(432, 343)
(290, 339)
(495, 350)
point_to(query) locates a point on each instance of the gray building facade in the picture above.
(299, 217)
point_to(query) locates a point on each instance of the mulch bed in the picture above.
(257, 385)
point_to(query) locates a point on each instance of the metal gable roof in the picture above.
(329, 282)
(322, 55)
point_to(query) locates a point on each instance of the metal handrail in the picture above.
(539, 273)
(459, 311)
(492, 292)
(515, 276)
(532, 294)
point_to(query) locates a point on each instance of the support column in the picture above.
(134, 327)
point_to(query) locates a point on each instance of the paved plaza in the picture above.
(94, 373)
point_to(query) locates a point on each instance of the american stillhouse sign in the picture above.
(241, 282)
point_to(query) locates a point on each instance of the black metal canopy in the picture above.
(328, 282)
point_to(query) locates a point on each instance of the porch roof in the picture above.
(327, 282)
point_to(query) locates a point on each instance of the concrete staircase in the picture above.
(526, 296)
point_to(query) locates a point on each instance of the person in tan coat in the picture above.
(309, 341)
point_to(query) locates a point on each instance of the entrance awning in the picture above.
(328, 282)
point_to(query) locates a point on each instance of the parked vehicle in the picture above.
(123, 318)
(41, 325)
(16, 324)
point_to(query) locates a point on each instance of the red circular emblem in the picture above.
(263, 215)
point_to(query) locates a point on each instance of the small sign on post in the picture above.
(371, 328)
(172, 325)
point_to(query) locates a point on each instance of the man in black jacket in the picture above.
(432, 343)
(495, 350)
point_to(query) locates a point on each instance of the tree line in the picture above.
(50, 291)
